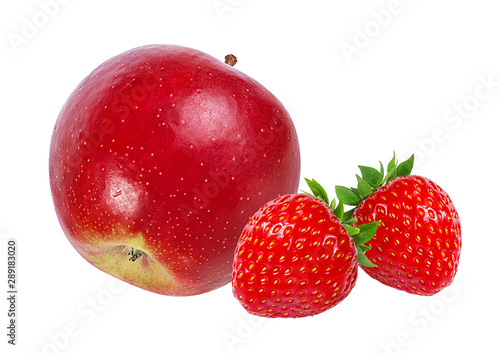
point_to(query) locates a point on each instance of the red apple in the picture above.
(157, 161)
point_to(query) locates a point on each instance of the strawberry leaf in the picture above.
(364, 188)
(363, 259)
(391, 169)
(352, 231)
(362, 234)
(339, 211)
(347, 196)
(371, 175)
(307, 193)
(366, 232)
(404, 169)
(364, 247)
(318, 191)
(348, 217)
(382, 172)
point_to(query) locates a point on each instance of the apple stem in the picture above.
(230, 59)
(135, 254)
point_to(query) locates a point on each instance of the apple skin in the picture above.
(159, 158)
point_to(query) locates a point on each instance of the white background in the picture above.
(360, 79)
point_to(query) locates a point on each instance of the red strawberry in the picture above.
(294, 258)
(417, 245)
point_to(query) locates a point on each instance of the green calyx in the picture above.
(372, 179)
(360, 234)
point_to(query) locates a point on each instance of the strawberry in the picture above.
(295, 258)
(417, 246)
